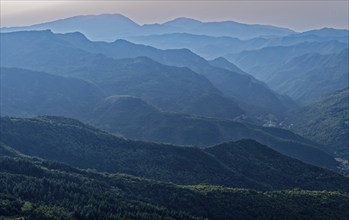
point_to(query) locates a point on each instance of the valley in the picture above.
(105, 117)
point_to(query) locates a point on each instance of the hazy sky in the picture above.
(297, 14)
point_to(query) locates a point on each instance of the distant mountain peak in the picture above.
(326, 32)
(122, 41)
(126, 101)
(221, 59)
(331, 29)
(108, 27)
(182, 21)
(221, 62)
(144, 60)
(106, 17)
(75, 35)
(109, 15)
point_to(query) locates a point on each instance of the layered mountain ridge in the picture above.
(243, 88)
(104, 118)
(109, 27)
(70, 141)
(134, 118)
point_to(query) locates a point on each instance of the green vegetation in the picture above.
(36, 189)
(325, 122)
(72, 142)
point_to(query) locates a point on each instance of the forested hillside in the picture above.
(70, 141)
(325, 121)
(36, 189)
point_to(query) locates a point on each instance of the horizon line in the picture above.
(161, 23)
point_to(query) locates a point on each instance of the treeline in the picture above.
(36, 189)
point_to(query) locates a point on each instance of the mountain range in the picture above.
(210, 47)
(74, 55)
(103, 118)
(244, 164)
(327, 74)
(139, 76)
(109, 27)
(263, 62)
(29, 93)
(134, 118)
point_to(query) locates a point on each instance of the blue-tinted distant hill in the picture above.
(73, 54)
(171, 89)
(310, 77)
(321, 35)
(106, 27)
(261, 63)
(27, 93)
(211, 47)
(223, 63)
(206, 46)
(109, 27)
(232, 82)
(326, 32)
(133, 118)
(223, 28)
